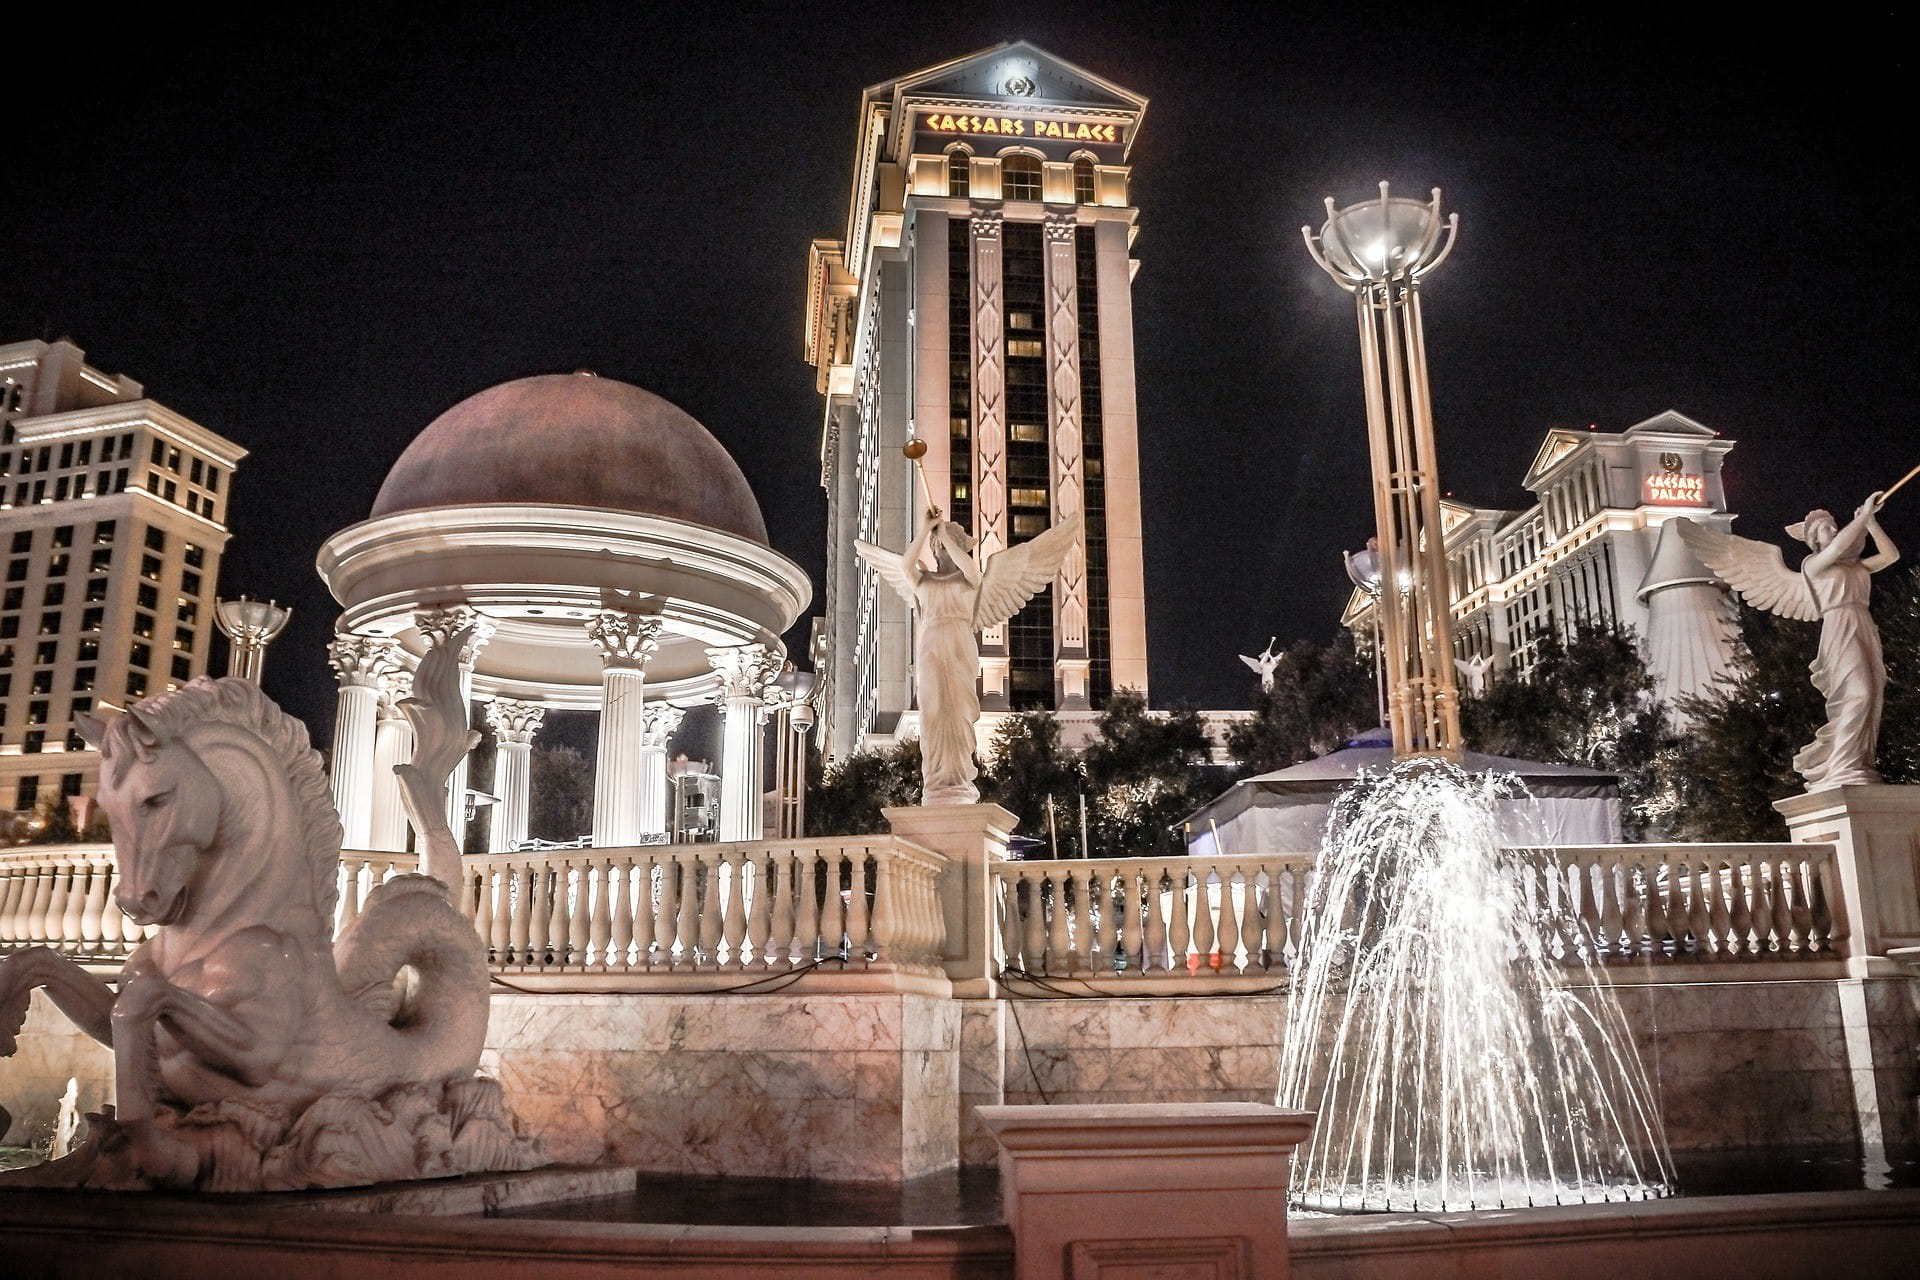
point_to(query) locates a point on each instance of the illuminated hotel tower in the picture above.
(981, 301)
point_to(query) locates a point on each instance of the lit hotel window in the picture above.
(1020, 178)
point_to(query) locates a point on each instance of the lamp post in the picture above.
(791, 697)
(249, 626)
(1378, 251)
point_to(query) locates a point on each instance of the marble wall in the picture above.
(847, 1087)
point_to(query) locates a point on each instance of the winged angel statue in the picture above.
(1831, 588)
(953, 600)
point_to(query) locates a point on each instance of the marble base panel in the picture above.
(844, 1087)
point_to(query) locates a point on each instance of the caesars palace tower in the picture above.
(981, 301)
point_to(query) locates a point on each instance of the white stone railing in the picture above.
(1208, 923)
(61, 896)
(1685, 903)
(866, 911)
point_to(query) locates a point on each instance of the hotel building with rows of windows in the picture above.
(1597, 548)
(112, 519)
(981, 301)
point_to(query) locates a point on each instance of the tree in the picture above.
(53, 822)
(846, 797)
(1588, 700)
(1026, 766)
(560, 804)
(1144, 773)
(1322, 695)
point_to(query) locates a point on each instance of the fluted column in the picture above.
(625, 641)
(392, 747)
(745, 671)
(440, 626)
(360, 662)
(514, 724)
(655, 808)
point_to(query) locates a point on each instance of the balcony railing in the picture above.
(865, 912)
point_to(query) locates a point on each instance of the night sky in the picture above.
(313, 239)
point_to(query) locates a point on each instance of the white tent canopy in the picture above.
(1286, 811)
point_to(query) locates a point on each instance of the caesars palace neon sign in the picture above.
(1682, 490)
(1015, 127)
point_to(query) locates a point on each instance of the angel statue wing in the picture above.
(891, 566)
(442, 738)
(1255, 663)
(1012, 577)
(1756, 570)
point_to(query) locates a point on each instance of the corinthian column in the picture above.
(662, 719)
(360, 662)
(392, 747)
(514, 724)
(745, 671)
(625, 641)
(440, 626)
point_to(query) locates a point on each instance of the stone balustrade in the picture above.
(865, 912)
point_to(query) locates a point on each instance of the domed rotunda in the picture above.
(608, 555)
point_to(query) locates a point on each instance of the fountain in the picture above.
(1434, 1030)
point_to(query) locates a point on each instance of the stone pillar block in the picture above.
(1173, 1189)
(974, 838)
(1875, 832)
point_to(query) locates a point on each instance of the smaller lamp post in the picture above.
(249, 626)
(1363, 570)
(793, 691)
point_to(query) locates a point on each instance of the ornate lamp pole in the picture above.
(1378, 251)
(249, 626)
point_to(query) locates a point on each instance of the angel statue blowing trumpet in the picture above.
(1832, 588)
(953, 600)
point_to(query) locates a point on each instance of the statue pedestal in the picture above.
(1875, 832)
(973, 837)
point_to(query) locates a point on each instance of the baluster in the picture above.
(14, 882)
(567, 935)
(1650, 928)
(1205, 937)
(1612, 919)
(893, 923)
(113, 921)
(539, 911)
(1033, 944)
(1739, 938)
(1779, 910)
(616, 893)
(733, 917)
(1255, 909)
(806, 906)
(349, 907)
(1301, 881)
(1632, 910)
(1133, 931)
(666, 911)
(1079, 953)
(1054, 889)
(32, 926)
(496, 899)
(1699, 914)
(780, 940)
(636, 891)
(1226, 944)
(833, 907)
(1794, 896)
(88, 901)
(1830, 926)
(1012, 927)
(1180, 906)
(1106, 925)
(859, 913)
(480, 901)
(687, 925)
(74, 906)
(1720, 920)
(1157, 905)
(593, 914)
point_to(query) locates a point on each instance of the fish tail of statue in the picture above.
(436, 1014)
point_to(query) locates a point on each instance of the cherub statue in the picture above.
(1265, 663)
(1832, 588)
(1474, 671)
(954, 600)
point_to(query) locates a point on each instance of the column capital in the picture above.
(625, 640)
(360, 661)
(662, 718)
(986, 223)
(397, 687)
(441, 625)
(745, 670)
(515, 722)
(1061, 227)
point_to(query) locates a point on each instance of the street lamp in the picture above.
(1363, 570)
(249, 626)
(1378, 251)
(793, 717)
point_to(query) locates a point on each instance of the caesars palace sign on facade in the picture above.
(1018, 127)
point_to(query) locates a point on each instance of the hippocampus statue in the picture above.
(252, 1049)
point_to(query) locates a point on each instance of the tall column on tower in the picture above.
(990, 434)
(1072, 665)
(439, 626)
(745, 671)
(392, 747)
(625, 641)
(360, 662)
(514, 724)
(662, 719)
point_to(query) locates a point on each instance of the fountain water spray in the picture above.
(1433, 1028)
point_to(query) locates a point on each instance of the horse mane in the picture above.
(241, 703)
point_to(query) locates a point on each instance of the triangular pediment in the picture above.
(1670, 423)
(1016, 73)
(1559, 444)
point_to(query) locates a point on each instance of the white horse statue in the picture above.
(253, 1050)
